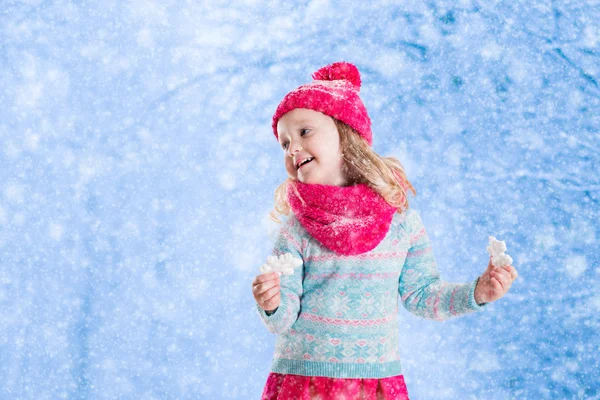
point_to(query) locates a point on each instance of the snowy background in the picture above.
(138, 167)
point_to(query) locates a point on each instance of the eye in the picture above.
(284, 145)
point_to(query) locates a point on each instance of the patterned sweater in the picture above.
(338, 314)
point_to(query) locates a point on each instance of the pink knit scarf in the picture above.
(347, 220)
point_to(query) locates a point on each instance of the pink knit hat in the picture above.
(334, 92)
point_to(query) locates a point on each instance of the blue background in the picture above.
(138, 167)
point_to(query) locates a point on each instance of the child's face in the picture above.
(305, 133)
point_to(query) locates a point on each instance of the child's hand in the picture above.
(266, 291)
(494, 283)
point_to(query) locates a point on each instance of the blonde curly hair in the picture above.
(385, 175)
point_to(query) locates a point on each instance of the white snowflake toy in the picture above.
(284, 264)
(496, 250)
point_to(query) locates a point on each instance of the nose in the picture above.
(294, 148)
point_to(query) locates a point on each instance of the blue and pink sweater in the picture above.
(338, 315)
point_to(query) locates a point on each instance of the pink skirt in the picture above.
(297, 387)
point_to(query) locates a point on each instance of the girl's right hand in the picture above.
(266, 291)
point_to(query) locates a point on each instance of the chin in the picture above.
(306, 181)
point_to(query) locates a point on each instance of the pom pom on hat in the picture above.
(334, 92)
(339, 70)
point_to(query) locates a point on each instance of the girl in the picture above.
(362, 248)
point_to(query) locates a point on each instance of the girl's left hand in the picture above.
(494, 283)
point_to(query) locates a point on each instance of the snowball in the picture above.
(284, 264)
(496, 250)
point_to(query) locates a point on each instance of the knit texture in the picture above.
(334, 92)
(338, 315)
(349, 220)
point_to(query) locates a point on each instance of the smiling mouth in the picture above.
(305, 162)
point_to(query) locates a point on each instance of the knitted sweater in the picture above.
(338, 314)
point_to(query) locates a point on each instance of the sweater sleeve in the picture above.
(422, 291)
(283, 317)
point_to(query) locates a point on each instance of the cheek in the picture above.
(332, 146)
(289, 164)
